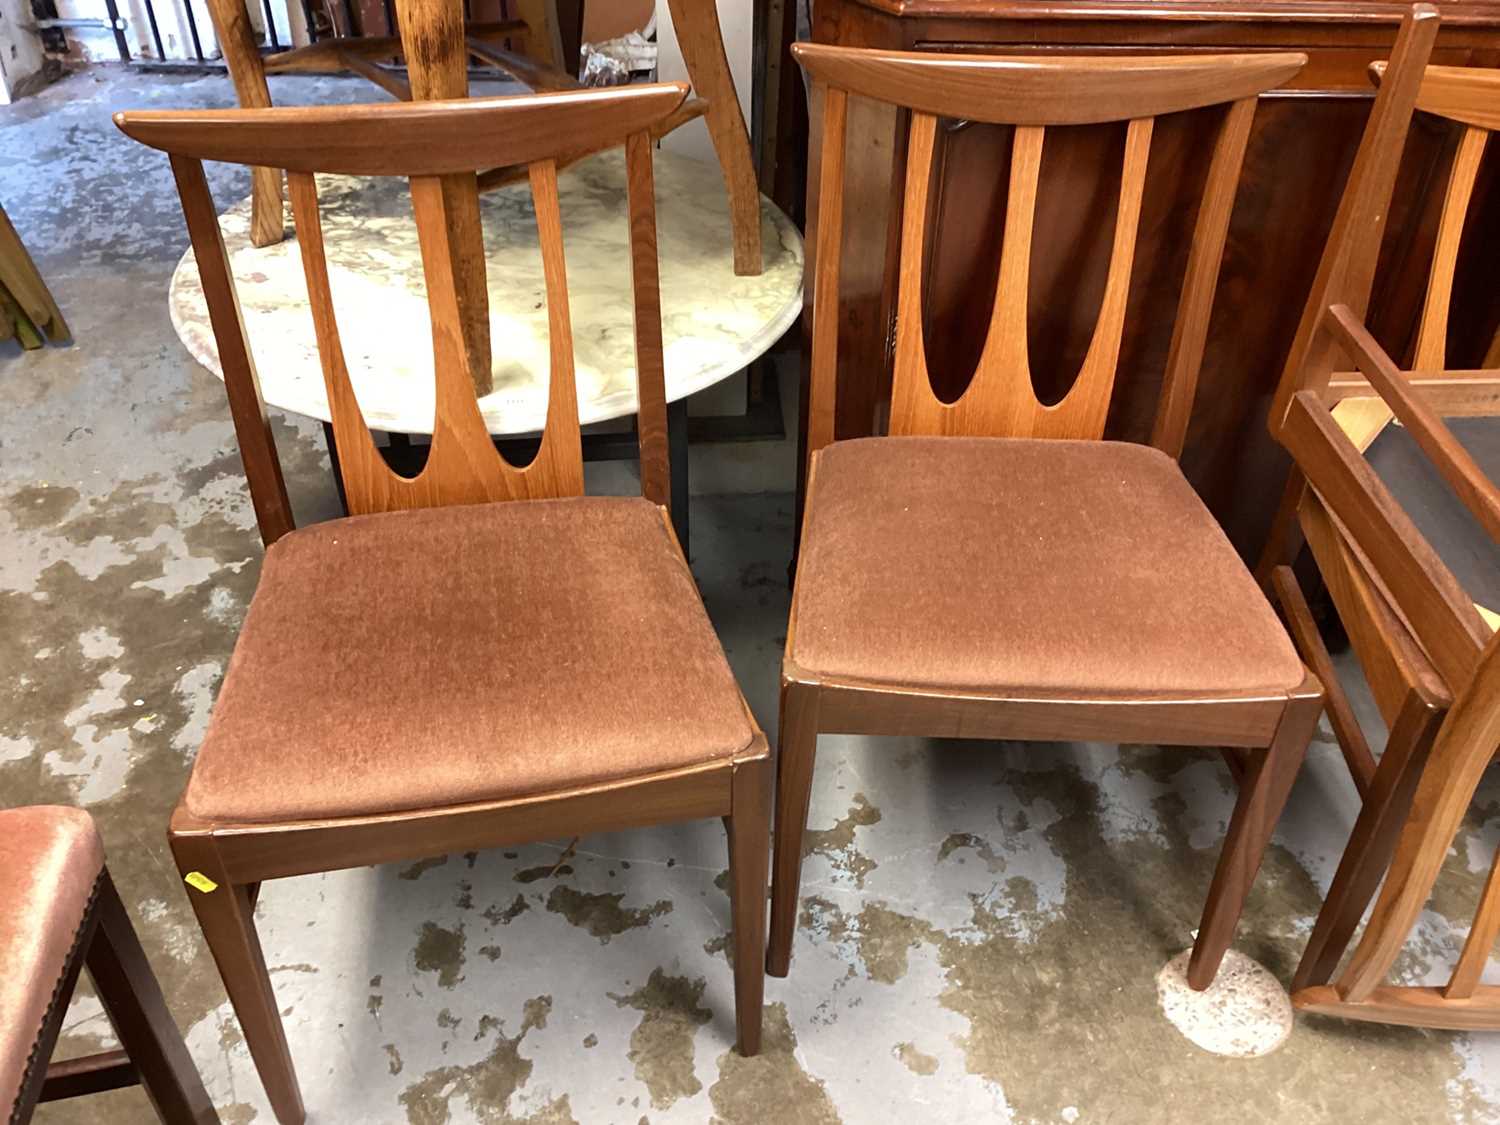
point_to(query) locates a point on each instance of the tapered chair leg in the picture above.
(749, 857)
(1263, 793)
(226, 917)
(796, 754)
(133, 1001)
(1371, 844)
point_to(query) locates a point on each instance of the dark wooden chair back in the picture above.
(434, 144)
(1031, 94)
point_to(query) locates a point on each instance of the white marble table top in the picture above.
(713, 323)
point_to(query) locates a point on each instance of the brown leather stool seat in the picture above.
(50, 862)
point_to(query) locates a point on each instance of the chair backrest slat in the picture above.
(825, 208)
(1432, 334)
(651, 389)
(1030, 94)
(435, 145)
(252, 428)
(1190, 331)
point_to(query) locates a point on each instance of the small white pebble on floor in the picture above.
(1070, 1114)
(1244, 1014)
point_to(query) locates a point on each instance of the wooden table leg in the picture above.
(432, 34)
(702, 40)
(543, 35)
(232, 26)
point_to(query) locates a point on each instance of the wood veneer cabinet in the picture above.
(1300, 150)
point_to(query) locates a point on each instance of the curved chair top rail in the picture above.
(408, 138)
(1469, 94)
(1032, 90)
(436, 145)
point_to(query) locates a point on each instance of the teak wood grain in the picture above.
(1032, 95)
(1432, 662)
(440, 145)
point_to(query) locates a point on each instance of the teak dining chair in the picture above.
(480, 655)
(60, 912)
(993, 569)
(1424, 647)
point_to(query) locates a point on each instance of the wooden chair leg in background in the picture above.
(1263, 793)
(749, 847)
(27, 292)
(437, 61)
(796, 755)
(697, 25)
(226, 917)
(1372, 843)
(248, 73)
(133, 1000)
(543, 35)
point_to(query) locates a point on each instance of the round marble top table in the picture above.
(713, 323)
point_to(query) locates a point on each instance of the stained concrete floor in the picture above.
(982, 924)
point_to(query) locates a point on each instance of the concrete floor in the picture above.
(983, 924)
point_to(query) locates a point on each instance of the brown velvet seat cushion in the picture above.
(50, 858)
(451, 655)
(995, 563)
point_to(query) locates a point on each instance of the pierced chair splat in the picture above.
(342, 736)
(993, 568)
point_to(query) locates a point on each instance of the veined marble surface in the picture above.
(713, 323)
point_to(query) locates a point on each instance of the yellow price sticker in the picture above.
(200, 882)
